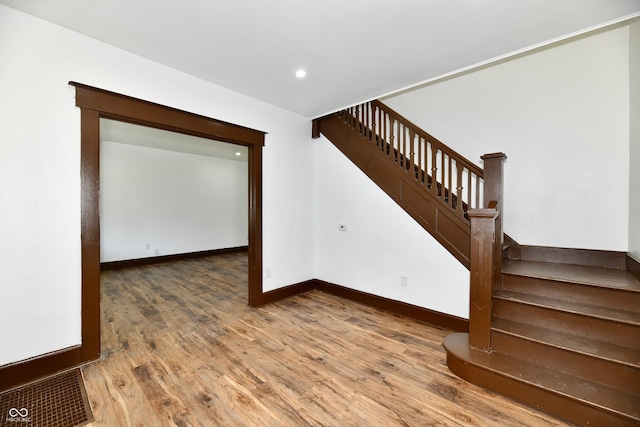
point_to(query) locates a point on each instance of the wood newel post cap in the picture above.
(492, 156)
(483, 213)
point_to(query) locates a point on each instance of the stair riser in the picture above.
(585, 366)
(598, 329)
(604, 297)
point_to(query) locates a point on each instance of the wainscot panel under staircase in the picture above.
(556, 329)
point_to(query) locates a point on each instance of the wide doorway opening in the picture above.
(96, 104)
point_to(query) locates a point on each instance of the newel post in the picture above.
(484, 275)
(493, 191)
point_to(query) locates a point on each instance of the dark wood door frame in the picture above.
(95, 104)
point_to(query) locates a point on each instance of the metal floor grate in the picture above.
(59, 401)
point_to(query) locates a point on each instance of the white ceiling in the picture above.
(352, 50)
(126, 133)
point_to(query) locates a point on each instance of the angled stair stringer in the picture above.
(445, 226)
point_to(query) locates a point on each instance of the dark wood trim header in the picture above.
(128, 109)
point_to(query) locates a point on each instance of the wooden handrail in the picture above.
(446, 174)
(427, 136)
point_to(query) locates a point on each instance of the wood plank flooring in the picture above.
(181, 348)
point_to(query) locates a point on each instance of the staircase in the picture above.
(564, 339)
(395, 154)
(556, 329)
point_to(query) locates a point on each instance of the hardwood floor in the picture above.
(181, 347)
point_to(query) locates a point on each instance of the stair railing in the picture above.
(447, 175)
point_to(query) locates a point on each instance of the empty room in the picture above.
(320, 213)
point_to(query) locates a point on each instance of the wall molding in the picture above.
(421, 314)
(424, 315)
(287, 292)
(115, 265)
(27, 371)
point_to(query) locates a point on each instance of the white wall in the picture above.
(40, 171)
(562, 117)
(381, 243)
(634, 158)
(169, 201)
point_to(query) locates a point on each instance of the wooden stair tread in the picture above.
(616, 315)
(586, 275)
(571, 387)
(580, 344)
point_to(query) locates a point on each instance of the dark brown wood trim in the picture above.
(287, 292)
(90, 232)
(115, 265)
(420, 314)
(255, 225)
(424, 315)
(589, 257)
(315, 128)
(24, 372)
(633, 266)
(137, 111)
(98, 103)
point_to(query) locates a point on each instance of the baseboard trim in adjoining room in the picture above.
(114, 265)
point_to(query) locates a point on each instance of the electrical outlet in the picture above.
(147, 246)
(267, 272)
(156, 251)
(403, 281)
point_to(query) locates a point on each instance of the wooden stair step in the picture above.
(609, 364)
(611, 288)
(568, 306)
(586, 275)
(576, 292)
(614, 353)
(547, 313)
(567, 396)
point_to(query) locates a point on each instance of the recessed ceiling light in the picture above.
(301, 73)
(238, 153)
